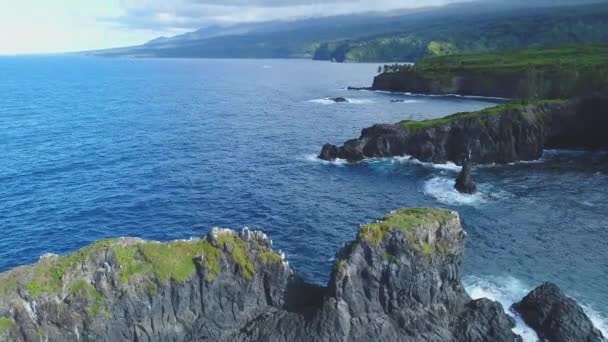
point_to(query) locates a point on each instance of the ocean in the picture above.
(166, 149)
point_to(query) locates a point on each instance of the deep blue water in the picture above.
(166, 149)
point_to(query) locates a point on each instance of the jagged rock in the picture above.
(484, 320)
(556, 317)
(399, 280)
(503, 134)
(464, 181)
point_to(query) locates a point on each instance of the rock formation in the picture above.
(502, 134)
(464, 181)
(555, 317)
(338, 99)
(398, 281)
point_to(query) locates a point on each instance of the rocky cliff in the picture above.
(398, 280)
(502, 134)
(525, 74)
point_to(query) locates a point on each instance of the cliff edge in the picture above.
(398, 280)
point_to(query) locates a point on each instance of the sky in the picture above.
(46, 26)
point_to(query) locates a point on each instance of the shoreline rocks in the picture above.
(503, 134)
(399, 279)
(556, 317)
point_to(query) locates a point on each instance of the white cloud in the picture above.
(192, 14)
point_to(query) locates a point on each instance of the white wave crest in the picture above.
(411, 160)
(597, 319)
(443, 190)
(406, 101)
(506, 291)
(314, 158)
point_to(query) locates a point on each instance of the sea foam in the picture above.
(509, 290)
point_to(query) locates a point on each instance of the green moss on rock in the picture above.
(6, 324)
(95, 299)
(238, 252)
(166, 261)
(406, 220)
(270, 257)
(521, 107)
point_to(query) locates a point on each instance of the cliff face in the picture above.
(503, 134)
(556, 73)
(400, 279)
(462, 83)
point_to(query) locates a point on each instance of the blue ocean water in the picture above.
(166, 149)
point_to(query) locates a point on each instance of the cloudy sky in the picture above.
(32, 26)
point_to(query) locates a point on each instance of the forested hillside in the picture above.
(397, 36)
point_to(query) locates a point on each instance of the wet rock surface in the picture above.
(556, 317)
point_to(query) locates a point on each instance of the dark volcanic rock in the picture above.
(555, 317)
(484, 320)
(464, 181)
(339, 99)
(398, 281)
(504, 134)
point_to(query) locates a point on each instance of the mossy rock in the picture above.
(519, 107)
(6, 324)
(407, 221)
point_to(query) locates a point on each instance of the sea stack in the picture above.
(464, 181)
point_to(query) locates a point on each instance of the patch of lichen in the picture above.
(238, 253)
(270, 257)
(520, 107)
(6, 324)
(405, 220)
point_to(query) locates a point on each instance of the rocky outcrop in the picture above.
(503, 134)
(464, 181)
(555, 317)
(339, 99)
(399, 280)
(467, 84)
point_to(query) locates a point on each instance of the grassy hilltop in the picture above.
(552, 73)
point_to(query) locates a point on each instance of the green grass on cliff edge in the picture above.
(406, 220)
(149, 262)
(576, 56)
(413, 125)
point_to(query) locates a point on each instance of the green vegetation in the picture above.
(6, 324)
(149, 262)
(466, 28)
(85, 290)
(527, 74)
(238, 253)
(270, 257)
(511, 30)
(390, 258)
(413, 125)
(518, 60)
(406, 220)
